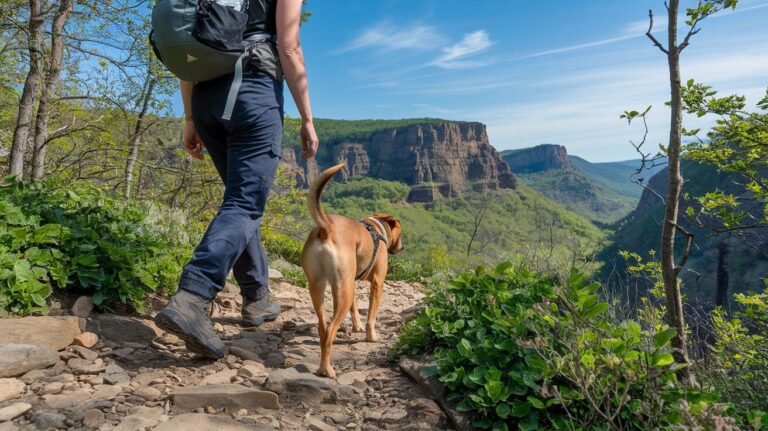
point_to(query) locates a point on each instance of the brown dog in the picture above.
(338, 251)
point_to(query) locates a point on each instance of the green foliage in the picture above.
(369, 189)
(74, 236)
(295, 276)
(737, 144)
(738, 368)
(519, 350)
(407, 270)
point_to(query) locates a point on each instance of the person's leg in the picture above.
(187, 313)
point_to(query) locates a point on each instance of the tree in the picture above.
(29, 93)
(669, 266)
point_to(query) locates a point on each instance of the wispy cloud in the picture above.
(576, 47)
(454, 56)
(386, 37)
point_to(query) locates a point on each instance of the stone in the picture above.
(220, 378)
(84, 366)
(115, 374)
(352, 377)
(307, 387)
(148, 393)
(13, 411)
(93, 418)
(83, 307)
(105, 392)
(10, 389)
(84, 352)
(232, 397)
(52, 388)
(35, 376)
(122, 329)
(53, 332)
(275, 274)
(18, 359)
(315, 424)
(86, 339)
(204, 422)
(141, 418)
(66, 399)
(45, 420)
(426, 410)
(252, 370)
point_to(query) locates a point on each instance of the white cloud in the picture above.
(471, 44)
(386, 37)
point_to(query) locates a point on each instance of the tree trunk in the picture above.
(29, 92)
(51, 79)
(721, 294)
(149, 86)
(670, 270)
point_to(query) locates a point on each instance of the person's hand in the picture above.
(309, 141)
(193, 145)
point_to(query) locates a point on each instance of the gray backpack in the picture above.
(200, 40)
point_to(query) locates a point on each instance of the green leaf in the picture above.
(500, 426)
(662, 359)
(536, 403)
(503, 410)
(662, 338)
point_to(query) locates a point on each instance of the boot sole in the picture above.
(249, 322)
(177, 328)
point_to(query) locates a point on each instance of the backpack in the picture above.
(200, 40)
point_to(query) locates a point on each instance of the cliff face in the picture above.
(537, 159)
(440, 159)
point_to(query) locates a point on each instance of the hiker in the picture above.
(245, 149)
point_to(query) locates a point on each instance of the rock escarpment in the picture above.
(537, 159)
(439, 159)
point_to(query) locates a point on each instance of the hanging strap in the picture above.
(237, 81)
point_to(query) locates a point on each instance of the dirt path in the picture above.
(137, 378)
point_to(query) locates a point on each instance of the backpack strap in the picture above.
(237, 81)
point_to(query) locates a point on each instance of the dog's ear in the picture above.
(391, 221)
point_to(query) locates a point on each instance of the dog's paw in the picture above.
(372, 336)
(326, 372)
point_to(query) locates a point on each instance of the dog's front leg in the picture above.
(357, 323)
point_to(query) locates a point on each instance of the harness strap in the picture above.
(376, 237)
(237, 81)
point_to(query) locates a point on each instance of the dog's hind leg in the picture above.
(357, 323)
(377, 286)
(317, 292)
(342, 302)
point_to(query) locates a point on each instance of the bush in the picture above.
(282, 245)
(515, 349)
(738, 367)
(75, 236)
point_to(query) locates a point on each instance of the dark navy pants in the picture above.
(246, 152)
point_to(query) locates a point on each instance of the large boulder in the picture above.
(53, 332)
(18, 359)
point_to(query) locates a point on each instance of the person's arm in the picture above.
(193, 145)
(292, 62)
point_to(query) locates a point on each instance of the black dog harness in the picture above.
(376, 237)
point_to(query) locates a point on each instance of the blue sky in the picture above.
(555, 71)
(552, 71)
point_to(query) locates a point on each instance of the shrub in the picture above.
(77, 237)
(516, 349)
(282, 245)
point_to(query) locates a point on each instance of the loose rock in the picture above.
(148, 393)
(17, 359)
(231, 397)
(115, 374)
(13, 411)
(83, 307)
(93, 418)
(203, 422)
(86, 339)
(84, 352)
(10, 389)
(45, 420)
(51, 332)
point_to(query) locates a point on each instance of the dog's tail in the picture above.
(313, 199)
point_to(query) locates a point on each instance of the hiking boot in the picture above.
(186, 316)
(257, 312)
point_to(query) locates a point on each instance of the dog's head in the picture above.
(396, 230)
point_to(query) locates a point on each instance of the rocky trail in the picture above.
(92, 371)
